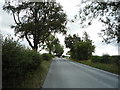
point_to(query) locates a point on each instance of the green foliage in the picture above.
(16, 62)
(83, 50)
(86, 37)
(115, 59)
(96, 58)
(51, 43)
(107, 12)
(36, 78)
(106, 59)
(36, 20)
(58, 50)
(79, 49)
(107, 67)
(53, 46)
(70, 40)
(102, 59)
(31, 59)
(46, 56)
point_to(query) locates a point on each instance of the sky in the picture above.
(71, 8)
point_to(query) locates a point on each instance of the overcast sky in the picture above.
(70, 7)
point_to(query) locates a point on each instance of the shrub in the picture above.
(16, 62)
(101, 59)
(105, 58)
(46, 56)
(31, 59)
(115, 59)
(96, 58)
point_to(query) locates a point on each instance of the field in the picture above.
(107, 67)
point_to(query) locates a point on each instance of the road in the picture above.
(64, 73)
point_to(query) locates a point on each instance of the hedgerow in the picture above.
(106, 59)
(16, 62)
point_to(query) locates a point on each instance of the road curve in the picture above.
(64, 73)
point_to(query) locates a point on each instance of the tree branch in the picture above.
(18, 18)
(15, 18)
(28, 41)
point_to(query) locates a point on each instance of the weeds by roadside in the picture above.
(36, 79)
(22, 67)
(113, 68)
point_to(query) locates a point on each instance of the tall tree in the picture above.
(58, 50)
(51, 42)
(79, 49)
(108, 12)
(83, 50)
(86, 37)
(35, 21)
(70, 40)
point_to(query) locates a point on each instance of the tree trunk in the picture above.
(35, 49)
(50, 51)
(35, 35)
(35, 43)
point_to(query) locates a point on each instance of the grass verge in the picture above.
(113, 68)
(36, 79)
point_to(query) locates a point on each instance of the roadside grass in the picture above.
(113, 68)
(36, 78)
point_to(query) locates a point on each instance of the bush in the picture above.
(46, 56)
(106, 59)
(96, 59)
(115, 59)
(16, 62)
(82, 50)
(31, 60)
(101, 59)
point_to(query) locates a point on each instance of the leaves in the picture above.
(51, 41)
(70, 40)
(107, 12)
(58, 50)
(16, 62)
(79, 49)
(37, 20)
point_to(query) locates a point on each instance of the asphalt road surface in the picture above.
(64, 73)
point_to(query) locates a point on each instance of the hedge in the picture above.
(16, 62)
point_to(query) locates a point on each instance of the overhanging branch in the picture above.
(15, 18)
(28, 41)
(19, 18)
